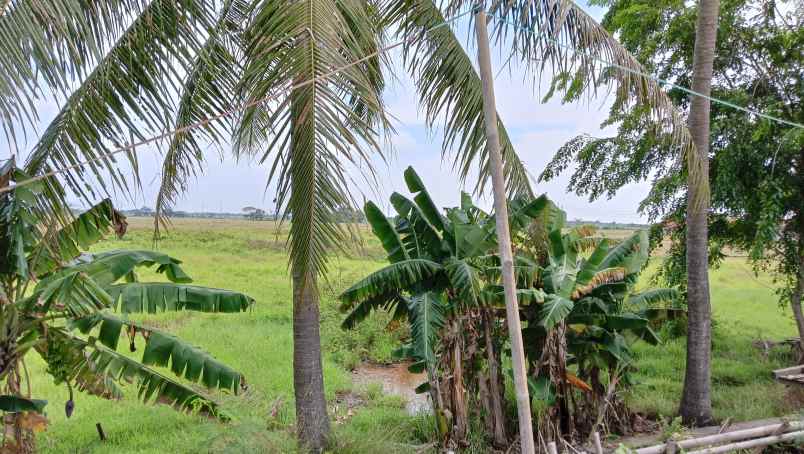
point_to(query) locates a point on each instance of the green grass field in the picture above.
(250, 257)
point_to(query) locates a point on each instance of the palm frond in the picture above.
(396, 277)
(314, 132)
(653, 297)
(427, 317)
(106, 268)
(382, 229)
(208, 90)
(559, 37)
(18, 223)
(162, 349)
(85, 230)
(152, 385)
(45, 45)
(128, 95)
(388, 301)
(465, 280)
(555, 309)
(153, 297)
(631, 253)
(450, 88)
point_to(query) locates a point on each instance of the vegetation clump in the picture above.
(60, 303)
(579, 310)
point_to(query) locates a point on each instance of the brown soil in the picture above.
(395, 379)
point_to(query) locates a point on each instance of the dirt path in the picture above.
(395, 379)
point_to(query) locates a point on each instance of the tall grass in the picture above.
(250, 257)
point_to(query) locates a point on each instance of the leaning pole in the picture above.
(503, 233)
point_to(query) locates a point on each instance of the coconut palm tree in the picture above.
(126, 70)
(696, 399)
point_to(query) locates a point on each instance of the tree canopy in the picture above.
(756, 163)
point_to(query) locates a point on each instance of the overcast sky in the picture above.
(537, 131)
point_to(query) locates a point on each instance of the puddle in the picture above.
(397, 380)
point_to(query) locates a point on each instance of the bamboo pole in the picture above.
(756, 443)
(503, 234)
(726, 437)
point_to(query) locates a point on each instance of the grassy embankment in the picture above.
(250, 257)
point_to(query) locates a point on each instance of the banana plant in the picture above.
(576, 291)
(586, 320)
(72, 309)
(434, 281)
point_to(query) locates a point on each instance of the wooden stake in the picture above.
(503, 233)
(100, 431)
(551, 448)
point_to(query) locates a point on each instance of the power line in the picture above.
(133, 146)
(660, 80)
(204, 122)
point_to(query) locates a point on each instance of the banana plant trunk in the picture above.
(460, 411)
(17, 438)
(312, 421)
(503, 233)
(696, 406)
(495, 391)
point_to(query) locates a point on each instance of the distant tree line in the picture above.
(344, 214)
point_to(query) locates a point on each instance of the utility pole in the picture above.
(503, 233)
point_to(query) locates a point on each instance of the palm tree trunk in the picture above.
(798, 292)
(503, 234)
(696, 405)
(312, 421)
(795, 305)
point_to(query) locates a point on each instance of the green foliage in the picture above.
(78, 291)
(152, 297)
(426, 319)
(567, 282)
(223, 254)
(16, 404)
(755, 164)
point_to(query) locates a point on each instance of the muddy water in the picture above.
(397, 380)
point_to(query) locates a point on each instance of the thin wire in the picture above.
(659, 79)
(133, 146)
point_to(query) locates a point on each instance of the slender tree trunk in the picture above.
(312, 421)
(503, 234)
(696, 405)
(795, 305)
(798, 292)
